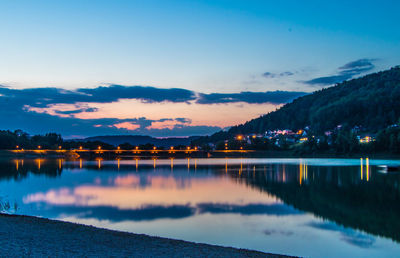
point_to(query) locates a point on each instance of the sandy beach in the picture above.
(25, 236)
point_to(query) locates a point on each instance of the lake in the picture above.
(303, 207)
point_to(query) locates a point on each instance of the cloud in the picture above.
(344, 72)
(76, 111)
(360, 63)
(276, 75)
(269, 75)
(42, 97)
(41, 110)
(127, 125)
(287, 73)
(273, 97)
(34, 123)
(329, 80)
(147, 94)
(183, 120)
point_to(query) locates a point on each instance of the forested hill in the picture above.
(372, 101)
(136, 140)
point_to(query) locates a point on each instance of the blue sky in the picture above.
(205, 47)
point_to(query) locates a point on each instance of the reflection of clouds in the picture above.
(249, 209)
(129, 180)
(127, 192)
(146, 197)
(144, 181)
(269, 232)
(97, 181)
(144, 213)
(359, 239)
(153, 212)
(62, 196)
(348, 235)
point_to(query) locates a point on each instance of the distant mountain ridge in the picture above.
(372, 102)
(141, 139)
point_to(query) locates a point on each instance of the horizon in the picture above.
(179, 69)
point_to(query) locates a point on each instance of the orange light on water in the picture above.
(39, 163)
(361, 169)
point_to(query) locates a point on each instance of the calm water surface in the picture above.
(305, 207)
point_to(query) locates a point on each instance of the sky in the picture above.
(179, 68)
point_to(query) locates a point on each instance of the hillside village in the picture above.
(340, 139)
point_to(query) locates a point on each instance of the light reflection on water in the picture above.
(305, 207)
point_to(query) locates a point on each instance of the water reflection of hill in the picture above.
(350, 196)
(19, 169)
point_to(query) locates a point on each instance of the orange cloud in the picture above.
(127, 125)
(162, 125)
(221, 115)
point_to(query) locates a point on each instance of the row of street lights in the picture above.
(154, 148)
(39, 147)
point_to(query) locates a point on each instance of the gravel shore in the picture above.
(24, 236)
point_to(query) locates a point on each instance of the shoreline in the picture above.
(212, 154)
(22, 236)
